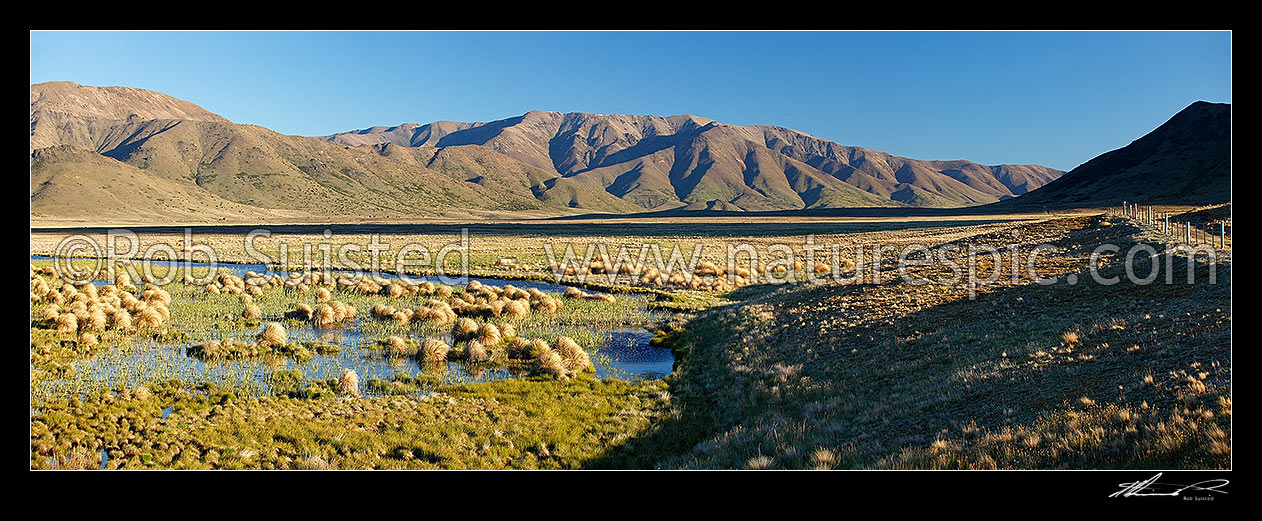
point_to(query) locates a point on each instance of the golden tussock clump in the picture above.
(301, 312)
(149, 318)
(651, 275)
(546, 304)
(1069, 337)
(516, 309)
(488, 334)
(508, 331)
(402, 317)
(434, 350)
(575, 358)
(464, 328)
(156, 294)
(519, 348)
(88, 340)
(67, 323)
(162, 310)
(706, 269)
(97, 321)
(121, 319)
(423, 314)
(823, 458)
(324, 316)
(572, 292)
(141, 393)
(476, 352)
(348, 383)
(396, 290)
(251, 312)
(382, 311)
(759, 462)
(395, 346)
(273, 334)
(50, 312)
(39, 287)
(440, 312)
(343, 312)
(80, 312)
(323, 295)
(550, 362)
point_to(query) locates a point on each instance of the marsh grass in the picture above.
(489, 425)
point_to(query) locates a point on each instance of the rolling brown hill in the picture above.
(537, 164)
(71, 184)
(1187, 160)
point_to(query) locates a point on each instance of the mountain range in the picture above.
(138, 153)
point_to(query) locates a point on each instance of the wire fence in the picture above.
(1213, 233)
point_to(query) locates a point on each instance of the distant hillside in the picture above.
(540, 164)
(688, 161)
(72, 184)
(1187, 160)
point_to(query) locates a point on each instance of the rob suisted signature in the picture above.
(1151, 487)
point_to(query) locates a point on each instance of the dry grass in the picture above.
(273, 334)
(921, 376)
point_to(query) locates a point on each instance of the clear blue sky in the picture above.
(1049, 98)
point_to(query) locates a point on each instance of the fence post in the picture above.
(1222, 234)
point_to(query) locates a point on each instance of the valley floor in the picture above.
(890, 374)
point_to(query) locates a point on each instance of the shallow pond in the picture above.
(160, 268)
(621, 352)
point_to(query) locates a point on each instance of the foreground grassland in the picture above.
(528, 423)
(812, 375)
(897, 375)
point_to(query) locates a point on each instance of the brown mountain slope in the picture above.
(1187, 160)
(254, 166)
(73, 184)
(704, 163)
(544, 163)
(64, 112)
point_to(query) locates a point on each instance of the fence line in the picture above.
(1213, 234)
